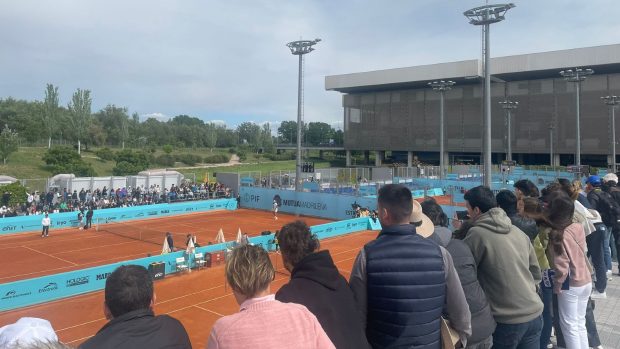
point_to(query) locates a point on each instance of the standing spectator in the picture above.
(249, 273)
(407, 279)
(611, 184)
(508, 271)
(275, 209)
(317, 284)
(603, 203)
(482, 322)
(46, 222)
(570, 263)
(89, 217)
(80, 218)
(129, 300)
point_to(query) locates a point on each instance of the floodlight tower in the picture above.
(441, 87)
(577, 76)
(508, 107)
(300, 48)
(612, 102)
(485, 16)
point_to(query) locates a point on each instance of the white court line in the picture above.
(49, 255)
(210, 311)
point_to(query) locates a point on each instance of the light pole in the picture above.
(300, 48)
(485, 16)
(612, 102)
(441, 86)
(508, 107)
(577, 76)
(551, 162)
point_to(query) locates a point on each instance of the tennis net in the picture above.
(136, 231)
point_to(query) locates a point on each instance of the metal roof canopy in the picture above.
(543, 65)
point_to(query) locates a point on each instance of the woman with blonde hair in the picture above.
(249, 273)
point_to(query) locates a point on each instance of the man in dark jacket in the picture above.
(129, 299)
(610, 184)
(403, 283)
(317, 284)
(596, 240)
(507, 201)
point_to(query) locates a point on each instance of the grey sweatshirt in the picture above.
(508, 270)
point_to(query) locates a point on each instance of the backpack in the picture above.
(608, 208)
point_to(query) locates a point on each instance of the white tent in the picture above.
(239, 236)
(219, 239)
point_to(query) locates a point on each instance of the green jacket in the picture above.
(508, 270)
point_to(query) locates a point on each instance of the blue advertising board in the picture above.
(52, 287)
(331, 206)
(69, 219)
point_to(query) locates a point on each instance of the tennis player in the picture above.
(275, 210)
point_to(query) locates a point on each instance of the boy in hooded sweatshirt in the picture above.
(508, 271)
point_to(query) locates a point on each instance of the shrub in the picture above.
(67, 160)
(165, 160)
(189, 159)
(129, 162)
(216, 159)
(232, 150)
(105, 154)
(242, 155)
(167, 148)
(280, 157)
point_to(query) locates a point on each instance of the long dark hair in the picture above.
(560, 216)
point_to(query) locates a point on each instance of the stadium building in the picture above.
(394, 111)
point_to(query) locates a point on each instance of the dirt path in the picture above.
(234, 160)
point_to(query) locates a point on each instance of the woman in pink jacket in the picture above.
(249, 272)
(573, 281)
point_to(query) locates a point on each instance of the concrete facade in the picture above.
(394, 110)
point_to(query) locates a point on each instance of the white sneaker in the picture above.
(609, 273)
(598, 295)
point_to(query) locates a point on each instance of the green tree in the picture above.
(250, 132)
(50, 112)
(62, 159)
(79, 109)
(288, 132)
(129, 162)
(8, 142)
(115, 124)
(319, 133)
(18, 193)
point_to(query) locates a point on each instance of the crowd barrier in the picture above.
(19, 224)
(23, 293)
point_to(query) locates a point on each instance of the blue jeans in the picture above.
(595, 250)
(607, 248)
(518, 336)
(546, 294)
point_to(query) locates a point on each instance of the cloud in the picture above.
(227, 60)
(158, 116)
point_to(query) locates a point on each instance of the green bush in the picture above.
(232, 150)
(167, 148)
(280, 157)
(167, 160)
(216, 159)
(189, 159)
(105, 154)
(17, 193)
(242, 155)
(130, 163)
(66, 160)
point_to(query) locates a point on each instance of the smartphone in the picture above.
(462, 215)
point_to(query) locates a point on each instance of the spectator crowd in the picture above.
(56, 200)
(517, 265)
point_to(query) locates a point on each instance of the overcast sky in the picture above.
(227, 60)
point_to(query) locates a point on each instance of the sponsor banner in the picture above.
(324, 205)
(23, 293)
(69, 219)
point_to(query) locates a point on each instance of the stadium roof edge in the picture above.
(603, 59)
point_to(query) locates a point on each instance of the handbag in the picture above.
(449, 336)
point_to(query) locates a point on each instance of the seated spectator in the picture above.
(129, 300)
(249, 273)
(29, 332)
(317, 284)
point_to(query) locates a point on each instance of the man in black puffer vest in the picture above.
(403, 282)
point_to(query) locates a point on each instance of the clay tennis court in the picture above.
(197, 299)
